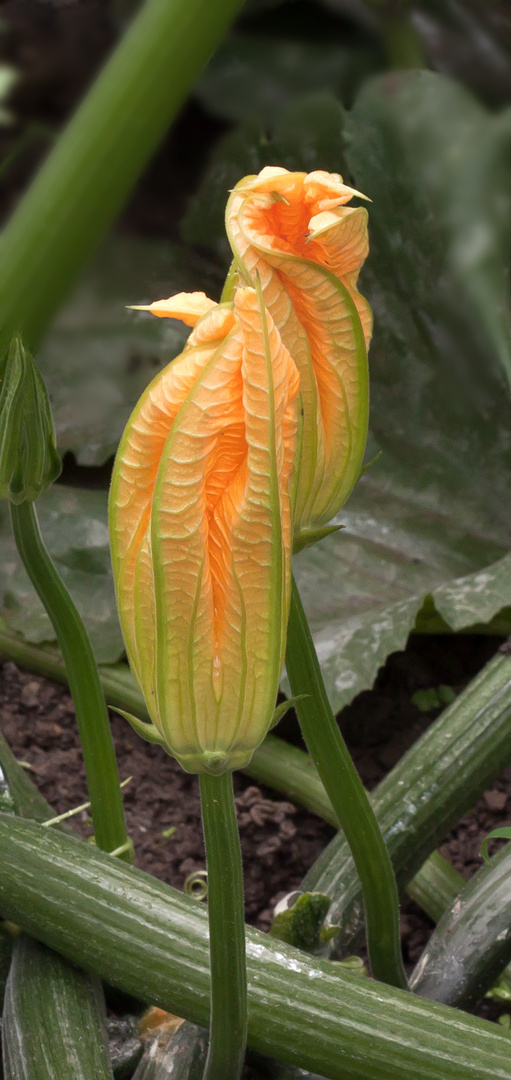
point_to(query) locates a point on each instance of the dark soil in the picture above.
(279, 840)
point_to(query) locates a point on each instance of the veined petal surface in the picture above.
(188, 307)
(201, 535)
(293, 231)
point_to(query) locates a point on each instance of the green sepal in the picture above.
(313, 536)
(146, 731)
(283, 708)
(370, 463)
(29, 462)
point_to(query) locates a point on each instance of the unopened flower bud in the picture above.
(295, 232)
(201, 532)
(29, 462)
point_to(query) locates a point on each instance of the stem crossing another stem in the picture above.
(351, 804)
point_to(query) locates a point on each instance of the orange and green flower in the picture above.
(295, 232)
(201, 530)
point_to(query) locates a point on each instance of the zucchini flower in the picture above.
(201, 532)
(295, 232)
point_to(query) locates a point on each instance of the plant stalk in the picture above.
(89, 174)
(349, 799)
(228, 1017)
(91, 712)
(151, 941)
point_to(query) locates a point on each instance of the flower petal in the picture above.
(220, 528)
(131, 495)
(188, 307)
(321, 318)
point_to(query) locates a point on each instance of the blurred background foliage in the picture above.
(411, 103)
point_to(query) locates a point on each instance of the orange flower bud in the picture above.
(295, 231)
(200, 518)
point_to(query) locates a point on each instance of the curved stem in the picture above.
(91, 713)
(228, 1018)
(351, 804)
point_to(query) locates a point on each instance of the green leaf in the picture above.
(74, 527)
(426, 535)
(393, 568)
(240, 153)
(259, 77)
(301, 923)
(99, 356)
(310, 135)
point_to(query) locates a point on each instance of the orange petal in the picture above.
(131, 494)
(188, 307)
(325, 191)
(273, 179)
(221, 529)
(338, 240)
(322, 321)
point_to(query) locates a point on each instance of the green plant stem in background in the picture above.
(471, 945)
(228, 1022)
(435, 886)
(349, 799)
(89, 701)
(402, 45)
(94, 165)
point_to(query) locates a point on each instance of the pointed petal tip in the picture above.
(188, 307)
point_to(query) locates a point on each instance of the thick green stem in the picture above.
(91, 713)
(349, 799)
(151, 941)
(94, 165)
(228, 1018)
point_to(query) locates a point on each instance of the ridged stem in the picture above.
(91, 712)
(349, 799)
(151, 941)
(471, 945)
(436, 781)
(228, 1017)
(87, 177)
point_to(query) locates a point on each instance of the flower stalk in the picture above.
(350, 801)
(228, 1016)
(82, 673)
